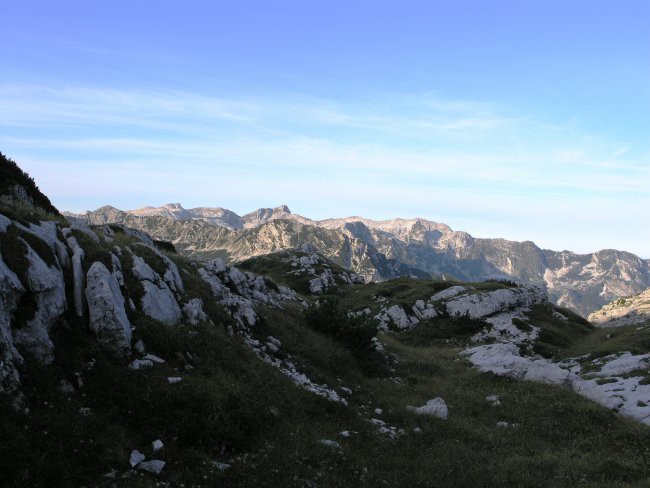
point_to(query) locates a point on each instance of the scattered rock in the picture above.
(221, 466)
(137, 364)
(330, 443)
(435, 407)
(153, 358)
(193, 311)
(493, 400)
(155, 466)
(135, 458)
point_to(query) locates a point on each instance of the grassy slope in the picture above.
(233, 408)
(11, 174)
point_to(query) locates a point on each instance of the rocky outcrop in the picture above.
(107, 316)
(435, 407)
(158, 301)
(480, 305)
(47, 286)
(396, 316)
(625, 393)
(634, 310)
(239, 292)
(379, 250)
(193, 312)
(78, 278)
(10, 291)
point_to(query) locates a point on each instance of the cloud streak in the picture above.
(417, 155)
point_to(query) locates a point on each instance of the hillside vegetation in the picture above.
(124, 363)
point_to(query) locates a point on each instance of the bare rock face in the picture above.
(10, 291)
(47, 285)
(322, 282)
(634, 310)
(77, 276)
(479, 305)
(158, 301)
(108, 318)
(435, 407)
(193, 311)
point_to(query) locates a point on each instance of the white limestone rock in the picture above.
(424, 311)
(158, 301)
(78, 278)
(633, 310)
(450, 292)
(330, 443)
(502, 328)
(504, 359)
(136, 458)
(155, 466)
(10, 291)
(48, 286)
(493, 400)
(4, 223)
(435, 407)
(193, 311)
(397, 316)
(627, 396)
(479, 305)
(322, 282)
(106, 312)
(153, 358)
(138, 364)
(220, 466)
(626, 362)
(171, 276)
(47, 231)
(157, 445)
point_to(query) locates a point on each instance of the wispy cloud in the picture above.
(417, 155)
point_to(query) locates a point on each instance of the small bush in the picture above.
(165, 246)
(11, 174)
(14, 253)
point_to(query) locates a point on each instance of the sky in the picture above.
(527, 120)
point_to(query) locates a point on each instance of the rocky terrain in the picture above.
(125, 363)
(382, 250)
(634, 310)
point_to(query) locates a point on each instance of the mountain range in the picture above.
(125, 363)
(381, 250)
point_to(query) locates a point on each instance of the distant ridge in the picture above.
(381, 250)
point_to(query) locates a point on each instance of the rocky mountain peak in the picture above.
(263, 215)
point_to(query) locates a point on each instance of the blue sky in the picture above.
(528, 120)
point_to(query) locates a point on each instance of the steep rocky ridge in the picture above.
(385, 249)
(633, 310)
(18, 188)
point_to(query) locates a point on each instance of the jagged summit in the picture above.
(378, 249)
(217, 216)
(263, 215)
